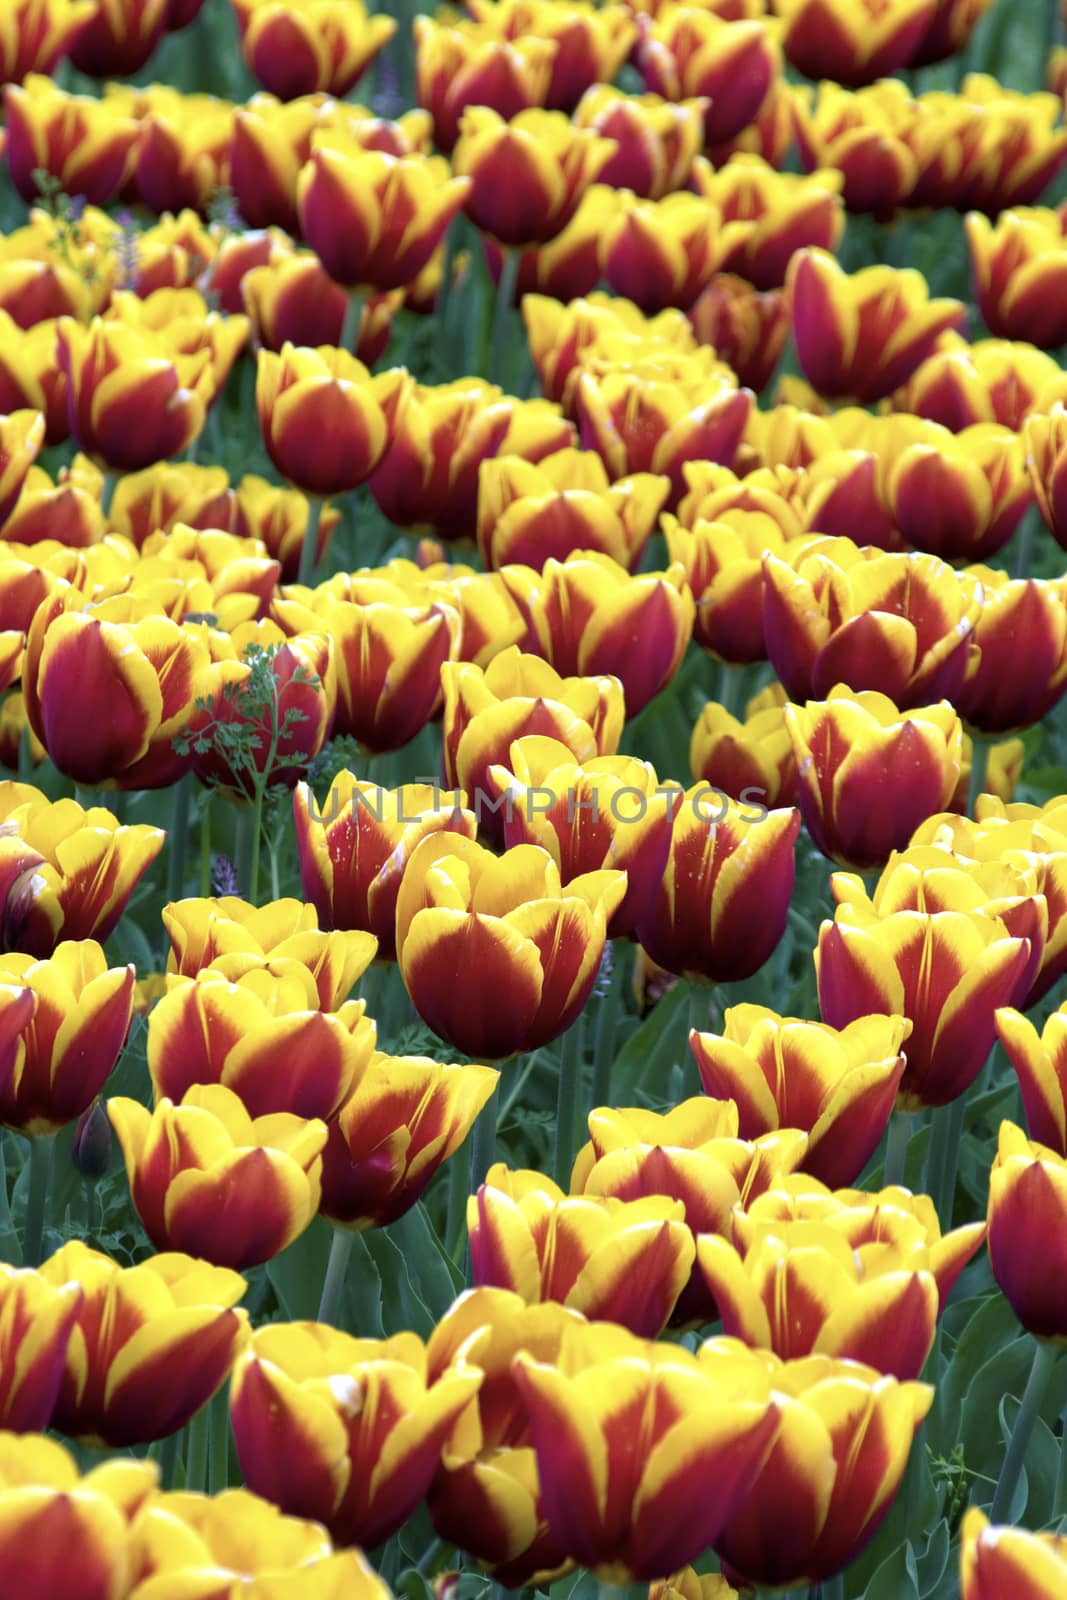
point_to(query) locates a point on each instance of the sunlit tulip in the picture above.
(189, 328)
(608, 812)
(528, 175)
(240, 575)
(721, 907)
(854, 43)
(306, 47)
(660, 253)
(591, 42)
(1007, 690)
(325, 421)
(750, 759)
(47, 1511)
(998, 1561)
(840, 1448)
(782, 1072)
(1046, 460)
(1027, 1202)
(406, 1116)
(354, 848)
(863, 335)
(991, 380)
(40, 34)
(656, 140)
(960, 496)
(159, 497)
(151, 1344)
(120, 38)
(562, 337)
(37, 1317)
(489, 620)
(48, 270)
(1019, 267)
(208, 1179)
(466, 920)
(734, 65)
(457, 66)
(586, 614)
(429, 476)
(529, 512)
(73, 1039)
(780, 212)
(86, 145)
(746, 328)
(348, 1431)
(696, 1437)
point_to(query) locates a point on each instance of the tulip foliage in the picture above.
(533, 799)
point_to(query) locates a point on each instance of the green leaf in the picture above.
(897, 1578)
(402, 1306)
(433, 1272)
(647, 1056)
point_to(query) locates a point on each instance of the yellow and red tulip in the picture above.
(960, 496)
(1027, 1204)
(457, 66)
(278, 516)
(854, 43)
(29, 377)
(37, 1317)
(660, 253)
(591, 42)
(563, 337)
(21, 437)
(1040, 1063)
(303, 47)
(996, 1561)
(527, 176)
(1046, 461)
(40, 34)
(991, 380)
(750, 760)
(656, 140)
(734, 65)
(86, 145)
(1005, 691)
(1019, 268)
(780, 213)
(746, 328)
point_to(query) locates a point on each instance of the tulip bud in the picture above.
(91, 1150)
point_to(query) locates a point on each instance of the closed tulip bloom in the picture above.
(688, 51)
(851, 750)
(722, 563)
(592, 42)
(991, 380)
(209, 1180)
(131, 400)
(998, 1561)
(1019, 268)
(278, 516)
(457, 66)
(161, 496)
(325, 421)
(780, 212)
(528, 175)
(490, 622)
(607, 812)
(750, 760)
(563, 337)
(782, 1072)
(374, 220)
(120, 38)
(516, 695)
(587, 614)
(1040, 1063)
(86, 144)
(48, 1511)
(405, 1117)
(854, 43)
(998, 696)
(746, 328)
(354, 848)
(150, 1345)
(947, 971)
(1046, 461)
(1028, 1185)
(486, 1495)
(40, 35)
(468, 923)
(347, 1431)
(721, 907)
(567, 266)
(73, 1039)
(529, 513)
(660, 253)
(960, 496)
(696, 1438)
(306, 47)
(625, 1261)
(182, 160)
(21, 437)
(212, 931)
(841, 1446)
(863, 335)
(38, 1316)
(429, 477)
(656, 140)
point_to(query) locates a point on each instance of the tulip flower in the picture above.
(460, 66)
(698, 1435)
(21, 437)
(960, 496)
(325, 421)
(465, 919)
(568, 266)
(217, 932)
(37, 1316)
(998, 696)
(854, 44)
(1046, 441)
(183, 157)
(1005, 1560)
(84, 144)
(430, 473)
(607, 812)
(73, 1039)
(1019, 267)
(992, 380)
(29, 378)
(347, 1431)
(721, 906)
(1040, 1063)
(563, 337)
(486, 1496)
(40, 36)
(209, 1180)
(48, 1512)
(900, 623)
(733, 65)
(747, 329)
(863, 335)
(406, 1116)
(841, 1445)
(528, 175)
(271, 141)
(160, 497)
(721, 559)
(189, 328)
(489, 619)
(120, 38)
(516, 695)
(150, 1344)
(279, 517)
(354, 849)
(947, 971)
(586, 614)
(781, 213)
(374, 220)
(750, 760)
(1028, 1181)
(591, 43)
(782, 1072)
(656, 140)
(529, 513)
(849, 749)
(625, 1261)
(690, 1585)
(660, 253)
(304, 47)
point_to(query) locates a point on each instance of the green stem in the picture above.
(943, 1157)
(205, 846)
(607, 1024)
(731, 694)
(333, 1285)
(36, 1200)
(830, 1588)
(219, 1458)
(699, 1008)
(1045, 1356)
(168, 1459)
(569, 1103)
(456, 1205)
(1024, 542)
(197, 1438)
(256, 842)
(448, 272)
(310, 546)
(502, 308)
(896, 1150)
(980, 748)
(483, 1141)
(107, 491)
(179, 837)
(8, 1236)
(25, 769)
(351, 322)
(85, 796)
(1059, 1495)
